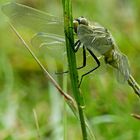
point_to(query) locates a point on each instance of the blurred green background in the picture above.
(24, 88)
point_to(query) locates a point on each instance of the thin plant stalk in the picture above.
(37, 124)
(68, 28)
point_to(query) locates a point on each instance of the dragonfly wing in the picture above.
(123, 71)
(98, 38)
(52, 44)
(32, 18)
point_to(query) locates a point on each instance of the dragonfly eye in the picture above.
(78, 21)
(75, 24)
(84, 21)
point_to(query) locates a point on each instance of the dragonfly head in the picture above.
(78, 21)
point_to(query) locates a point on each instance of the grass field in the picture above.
(25, 91)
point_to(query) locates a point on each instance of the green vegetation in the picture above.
(24, 88)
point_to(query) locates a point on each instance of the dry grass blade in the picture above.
(67, 97)
(136, 116)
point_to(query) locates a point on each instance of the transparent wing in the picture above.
(97, 38)
(123, 71)
(52, 44)
(32, 18)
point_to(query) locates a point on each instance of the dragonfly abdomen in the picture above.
(120, 62)
(111, 58)
(134, 85)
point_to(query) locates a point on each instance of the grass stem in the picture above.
(68, 28)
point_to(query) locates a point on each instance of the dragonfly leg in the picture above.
(98, 65)
(77, 45)
(84, 58)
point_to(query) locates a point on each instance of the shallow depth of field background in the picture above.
(24, 88)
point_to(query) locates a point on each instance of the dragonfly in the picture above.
(95, 37)
(92, 37)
